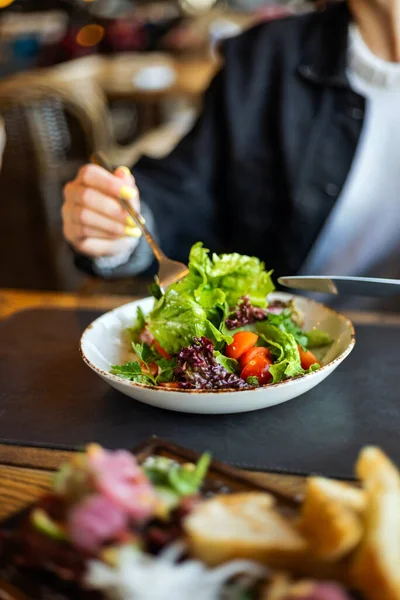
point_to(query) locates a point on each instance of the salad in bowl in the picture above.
(216, 329)
(219, 341)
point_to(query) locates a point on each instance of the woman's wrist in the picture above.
(128, 246)
(135, 256)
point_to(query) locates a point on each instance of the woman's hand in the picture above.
(93, 221)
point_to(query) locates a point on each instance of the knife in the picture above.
(351, 286)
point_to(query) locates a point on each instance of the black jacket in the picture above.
(263, 166)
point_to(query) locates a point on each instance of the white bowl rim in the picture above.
(260, 389)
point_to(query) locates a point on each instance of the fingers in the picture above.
(93, 176)
(96, 247)
(81, 232)
(95, 201)
(99, 212)
(93, 220)
(84, 221)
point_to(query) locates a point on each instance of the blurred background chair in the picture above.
(54, 120)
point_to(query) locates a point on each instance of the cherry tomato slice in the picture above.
(252, 353)
(161, 351)
(242, 341)
(258, 367)
(307, 358)
(153, 369)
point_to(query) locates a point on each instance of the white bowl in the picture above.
(102, 345)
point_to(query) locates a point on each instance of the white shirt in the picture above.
(362, 234)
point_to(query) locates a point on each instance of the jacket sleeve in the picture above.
(180, 191)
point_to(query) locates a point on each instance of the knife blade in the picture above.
(350, 286)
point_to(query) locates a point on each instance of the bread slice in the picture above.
(328, 521)
(282, 588)
(376, 566)
(244, 526)
(348, 495)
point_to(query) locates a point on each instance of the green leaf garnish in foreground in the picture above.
(184, 480)
(45, 524)
(187, 481)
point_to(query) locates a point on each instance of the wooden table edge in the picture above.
(13, 300)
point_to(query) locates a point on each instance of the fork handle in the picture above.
(158, 253)
(100, 159)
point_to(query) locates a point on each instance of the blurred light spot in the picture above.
(89, 35)
(4, 3)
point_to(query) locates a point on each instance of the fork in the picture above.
(169, 270)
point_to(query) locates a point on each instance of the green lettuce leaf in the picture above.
(177, 318)
(140, 322)
(145, 353)
(317, 338)
(166, 370)
(140, 318)
(210, 298)
(276, 349)
(199, 262)
(197, 305)
(230, 364)
(155, 289)
(184, 480)
(287, 364)
(285, 323)
(314, 367)
(233, 275)
(214, 303)
(239, 275)
(132, 370)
